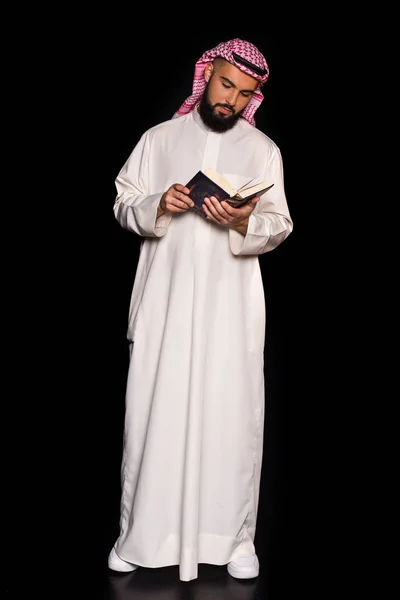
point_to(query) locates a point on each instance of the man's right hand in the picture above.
(175, 200)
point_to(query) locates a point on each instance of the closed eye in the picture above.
(244, 93)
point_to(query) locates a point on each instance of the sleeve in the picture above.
(270, 223)
(135, 208)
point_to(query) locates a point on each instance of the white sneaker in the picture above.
(244, 568)
(117, 564)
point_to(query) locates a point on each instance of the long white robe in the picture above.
(193, 435)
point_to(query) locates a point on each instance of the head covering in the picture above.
(243, 55)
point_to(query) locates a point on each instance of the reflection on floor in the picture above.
(213, 583)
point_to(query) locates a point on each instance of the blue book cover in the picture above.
(202, 186)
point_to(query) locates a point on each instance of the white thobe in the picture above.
(193, 435)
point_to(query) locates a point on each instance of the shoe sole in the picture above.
(243, 573)
(121, 568)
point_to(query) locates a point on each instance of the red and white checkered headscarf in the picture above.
(227, 50)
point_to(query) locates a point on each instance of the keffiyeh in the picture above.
(243, 55)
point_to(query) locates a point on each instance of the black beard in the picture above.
(215, 122)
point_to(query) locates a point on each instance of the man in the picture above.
(193, 434)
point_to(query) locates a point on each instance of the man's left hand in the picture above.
(225, 215)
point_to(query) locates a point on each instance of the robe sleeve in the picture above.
(135, 208)
(270, 222)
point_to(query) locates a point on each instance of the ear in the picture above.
(208, 71)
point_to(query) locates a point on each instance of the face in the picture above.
(227, 94)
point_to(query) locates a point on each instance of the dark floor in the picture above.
(213, 583)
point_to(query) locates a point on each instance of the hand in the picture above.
(225, 215)
(175, 200)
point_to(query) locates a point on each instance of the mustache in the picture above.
(224, 106)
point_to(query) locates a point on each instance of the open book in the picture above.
(211, 183)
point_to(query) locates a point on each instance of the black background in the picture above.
(70, 343)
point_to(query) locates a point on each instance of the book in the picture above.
(211, 183)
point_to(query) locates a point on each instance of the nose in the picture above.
(232, 97)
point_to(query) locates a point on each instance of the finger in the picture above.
(232, 212)
(176, 203)
(211, 209)
(254, 201)
(186, 199)
(181, 188)
(217, 210)
(252, 204)
(208, 214)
